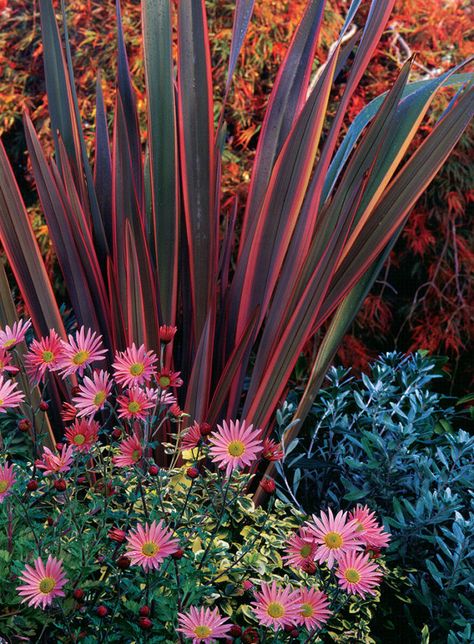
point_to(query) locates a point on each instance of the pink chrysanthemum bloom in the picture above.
(276, 607)
(52, 463)
(134, 366)
(7, 479)
(334, 536)
(68, 412)
(44, 355)
(314, 608)
(10, 397)
(369, 530)
(42, 583)
(149, 545)
(235, 445)
(93, 393)
(192, 437)
(6, 362)
(357, 575)
(272, 451)
(81, 350)
(167, 378)
(166, 398)
(300, 548)
(203, 625)
(83, 434)
(10, 336)
(131, 451)
(134, 404)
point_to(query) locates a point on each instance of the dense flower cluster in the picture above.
(124, 408)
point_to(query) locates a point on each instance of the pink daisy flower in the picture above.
(203, 625)
(149, 545)
(44, 355)
(134, 404)
(334, 535)
(6, 362)
(167, 378)
(93, 393)
(7, 479)
(192, 437)
(10, 397)
(235, 445)
(357, 575)
(42, 583)
(68, 412)
(300, 548)
(369, 530)
(314, 608)
(83, 434)
(131, 451)
(10, 336)
(81, 350)
(134, 366)
(276, 607)
(55, 463)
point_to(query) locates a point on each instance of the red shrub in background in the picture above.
(433, 306)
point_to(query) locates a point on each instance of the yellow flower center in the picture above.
(80, 357)
(47, 584)
(333, 540)
(275, 609)
(9, 343)
(79, 439)
(150, 548)
(136, 455)
(4, 485)
(306, 550)
(236, 448)
(137, 369)
(99, 398)
(360, 527)
(133, 407)
(307, 610)
(48, 356)
(352, 575)
(2, 364)
(1, 402)
(164, 381)
(202, 631)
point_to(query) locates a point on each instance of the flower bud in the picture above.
(117, 535)
(24, 425)
(205, 429)
(235, 630)
(250, 636)
(32, 485)
(123, 562)
(178, 554)
(116, 433)
(192, 472)
(167, 333)
(144, 611)
(78, 594)
(44, 405)
(60, 485)
(145, 623)
(268, 485)
(153, 470)
(309, 567)
(102, 611)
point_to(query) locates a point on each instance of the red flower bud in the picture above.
(192, 472)
(144, 611)
(175, 411)
(247, 585)
(250, 636)
(59, 446)
(44, 405)
(102, 611)
(117, 535)
(153, 470)
(123, 562)
(294, 633)
(178, 554)
(167, 333)
(235, 630)
(309, 567)
(75, 390)
(145, 623)
(268, 485)
(78, 594)
(205, 429)
(60, 485)
(81, 480)
(116, 433)
(24, 425)
(32, 485)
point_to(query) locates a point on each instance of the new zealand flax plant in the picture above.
(138, 229)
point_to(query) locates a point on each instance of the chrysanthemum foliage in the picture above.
(138, 229)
